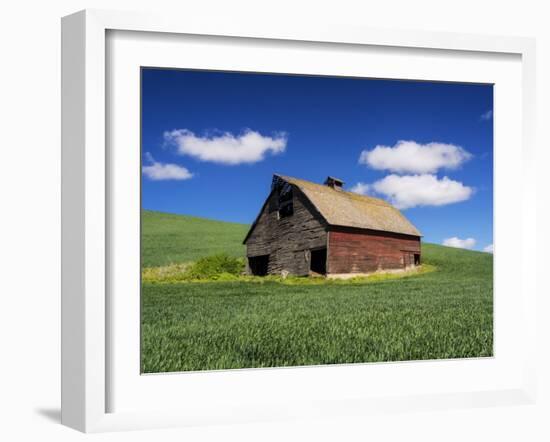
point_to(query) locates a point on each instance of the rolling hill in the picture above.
(167, 238)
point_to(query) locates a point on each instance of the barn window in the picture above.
(258, 264)
(286, 206)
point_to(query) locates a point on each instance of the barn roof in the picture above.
(341, 208)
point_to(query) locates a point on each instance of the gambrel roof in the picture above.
(347, 209)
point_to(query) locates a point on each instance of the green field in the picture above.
(168, 238)
(447, 313)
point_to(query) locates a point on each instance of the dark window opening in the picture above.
(273, 205)
(318, 261)
(286, 206)
(417, 259)
(258, 264)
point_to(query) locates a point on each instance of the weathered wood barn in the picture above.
(306, 228)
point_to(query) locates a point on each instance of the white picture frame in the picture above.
(87, 206)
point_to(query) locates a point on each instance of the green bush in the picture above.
(212, 267)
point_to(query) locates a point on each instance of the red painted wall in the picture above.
(367, 251)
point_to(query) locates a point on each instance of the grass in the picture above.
(446, 313)
(175, 239)
(195, 272)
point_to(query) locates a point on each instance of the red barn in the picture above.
(306, 228)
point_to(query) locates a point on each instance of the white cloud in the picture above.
(467, 243)
(226, 148)
(486, 115)
(421, 190)
(489, 248)
(412, 157)
(164, 171)
(361, 188)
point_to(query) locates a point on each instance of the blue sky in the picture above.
(212, 140)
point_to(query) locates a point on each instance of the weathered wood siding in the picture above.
(287, 240)
(363, 251)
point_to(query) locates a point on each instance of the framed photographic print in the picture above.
(243, 267)
(262, 223)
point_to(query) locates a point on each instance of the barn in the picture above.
(305, 228)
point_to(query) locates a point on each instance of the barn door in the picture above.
(408, 259)
(411, 259)
(318, 261)
(258, 265)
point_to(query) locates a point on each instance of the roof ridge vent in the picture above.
(335, 183)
